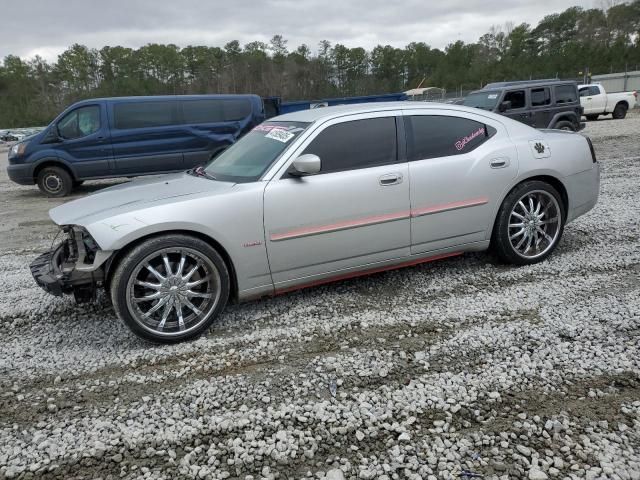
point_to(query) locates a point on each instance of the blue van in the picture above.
(131, 136)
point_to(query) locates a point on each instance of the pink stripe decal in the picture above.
(303, 232)
(449, 206)
(363, 222)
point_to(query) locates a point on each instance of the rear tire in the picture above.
(55, 181)
(565, 125)
(619, 112)
(592, 118)
(170, 288)
(530, 223)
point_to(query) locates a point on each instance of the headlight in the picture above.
(18, 149)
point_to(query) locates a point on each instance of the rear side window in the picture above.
(215, 110)
(432, 136)
(516, 97)
(540, 97)
(144, 114)
(356, 144)
(566, 94)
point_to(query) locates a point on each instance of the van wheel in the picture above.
(565, 125)
(170, 288)
(619, 112)
(55, 181)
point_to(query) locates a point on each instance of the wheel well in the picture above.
(115, 259)
(623, 103)
(555, 183)
(51, 163)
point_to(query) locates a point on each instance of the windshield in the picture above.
(248, 158)
(484, 100)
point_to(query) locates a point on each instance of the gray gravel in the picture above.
(446, 370)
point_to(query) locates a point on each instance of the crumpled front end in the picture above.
(75, 266)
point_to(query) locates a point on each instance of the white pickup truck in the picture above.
(595, 101)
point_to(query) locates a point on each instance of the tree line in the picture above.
(33, 91)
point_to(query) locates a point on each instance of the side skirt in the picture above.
(369, 269)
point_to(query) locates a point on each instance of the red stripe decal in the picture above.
(301, 232)
(363, 222)
(371, 271)
(449, 206)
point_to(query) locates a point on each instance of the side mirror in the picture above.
(307, 164)
(53, 136)
(504, 106)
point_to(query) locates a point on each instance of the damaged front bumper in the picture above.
(75, 266)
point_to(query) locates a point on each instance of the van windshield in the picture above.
(248, 158)
(484, 100)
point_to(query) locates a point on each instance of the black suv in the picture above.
(538, 103)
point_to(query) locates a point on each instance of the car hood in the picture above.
(134, 195)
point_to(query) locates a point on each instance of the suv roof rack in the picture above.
(525, 82)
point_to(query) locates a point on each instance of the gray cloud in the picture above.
(46, 27)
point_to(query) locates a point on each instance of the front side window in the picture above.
(79, 123)
(356, 144)
(540, 97)
(144, 114)
(517, 99)
(567, 94)
(432, 136)
(251, 156)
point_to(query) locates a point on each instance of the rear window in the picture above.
(144, 114)
(566, 94)
(215, 110)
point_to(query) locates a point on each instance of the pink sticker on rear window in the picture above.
(460, 144)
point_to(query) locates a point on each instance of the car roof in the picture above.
(325, 113)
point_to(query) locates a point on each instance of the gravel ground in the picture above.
(457, 369)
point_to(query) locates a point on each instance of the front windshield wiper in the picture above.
(201, 172)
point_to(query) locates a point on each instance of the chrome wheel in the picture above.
(173, 291)
(534, 224)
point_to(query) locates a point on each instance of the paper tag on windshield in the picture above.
(280, 135)
(492, 96)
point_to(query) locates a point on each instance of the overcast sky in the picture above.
(47, 27)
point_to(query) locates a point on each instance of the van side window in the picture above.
(432, 136)
(540, 97)
(79, 123)
(516, 97)
(356, 144)
(215, 110)
(567, 94)
(144, 114)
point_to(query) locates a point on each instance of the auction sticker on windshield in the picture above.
(280, 134)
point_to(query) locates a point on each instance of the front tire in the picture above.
(171, 288)
(54, 181)
(619, 112)
(530, 223)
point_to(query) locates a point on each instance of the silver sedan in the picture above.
(316, 196)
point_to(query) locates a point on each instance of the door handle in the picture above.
(390, 179)
(499, 162)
